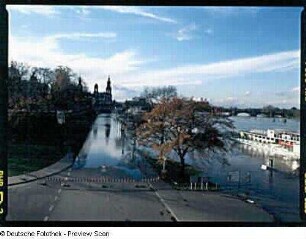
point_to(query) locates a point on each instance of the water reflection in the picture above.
(95, 131)
(122, 142)
(107, 149)
(279, 164)
(107, 133)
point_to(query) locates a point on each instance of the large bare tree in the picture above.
(184, 126)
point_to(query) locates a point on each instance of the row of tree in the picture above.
(37, 87)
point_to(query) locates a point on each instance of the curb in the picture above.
(35, 178)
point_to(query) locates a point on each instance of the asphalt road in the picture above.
(74, 199)
(84, 201)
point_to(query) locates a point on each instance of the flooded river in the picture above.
(277, 191)
(108, 148)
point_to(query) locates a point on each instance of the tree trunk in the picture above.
(182, 173)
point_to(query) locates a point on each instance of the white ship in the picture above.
(275, 142)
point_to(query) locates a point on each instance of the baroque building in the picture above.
(103, 102)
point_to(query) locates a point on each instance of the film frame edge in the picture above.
(3, 109)
(4, 97)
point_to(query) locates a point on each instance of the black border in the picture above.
(303, 117)
(249, 3)
(283, 3)
(3, 103)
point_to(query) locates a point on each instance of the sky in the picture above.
(241, 57)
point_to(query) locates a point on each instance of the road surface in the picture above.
(79, 195)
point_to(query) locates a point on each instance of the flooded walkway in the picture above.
(108, 153)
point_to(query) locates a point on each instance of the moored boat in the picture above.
(276, 142)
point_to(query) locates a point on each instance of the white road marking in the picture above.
(46, 218)
(59, 191)
(164, 203)
(56, 197)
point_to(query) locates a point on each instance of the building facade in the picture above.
(103, 101)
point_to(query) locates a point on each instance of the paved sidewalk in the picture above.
(208, 206)
(55, 168)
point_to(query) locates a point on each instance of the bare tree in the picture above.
(157, 94)
(183, 126)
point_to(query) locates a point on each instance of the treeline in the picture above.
(272, 111)
(38, 88)
(36, 139)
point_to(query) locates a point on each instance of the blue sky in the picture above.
(232, 56)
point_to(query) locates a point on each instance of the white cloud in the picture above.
(185, 33)
(126, 67)
(296, 89)
(81, 10)
(84, 11)
(288, 94)
(230, 99)
(198, 73)
(227, 101)
(230, 11)
(33, 9)
(139, 11)
(247, 93)
(85, 36)
(46, 52)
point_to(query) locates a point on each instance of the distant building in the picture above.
(103, 102)
(137, 105)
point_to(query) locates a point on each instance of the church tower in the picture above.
(108, 87)
(96, 89)
(80, 86)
